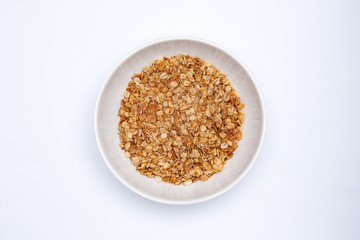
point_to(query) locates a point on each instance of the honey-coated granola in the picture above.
(180, 120)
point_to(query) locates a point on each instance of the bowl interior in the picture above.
(107, 122)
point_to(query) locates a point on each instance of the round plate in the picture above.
(106, 121)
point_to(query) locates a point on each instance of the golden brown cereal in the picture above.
(180, 120)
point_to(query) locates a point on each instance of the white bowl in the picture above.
(106, 121)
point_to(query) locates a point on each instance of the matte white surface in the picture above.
(54, 57)
(107, 121)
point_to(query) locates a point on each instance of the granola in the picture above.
(180, 120)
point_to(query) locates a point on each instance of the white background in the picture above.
(54, 57)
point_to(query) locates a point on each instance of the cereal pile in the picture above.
(180, 120)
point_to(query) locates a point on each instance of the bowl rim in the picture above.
(149, 44)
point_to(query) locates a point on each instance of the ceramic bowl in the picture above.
(106, 121)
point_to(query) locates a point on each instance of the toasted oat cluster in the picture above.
(180, 120)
